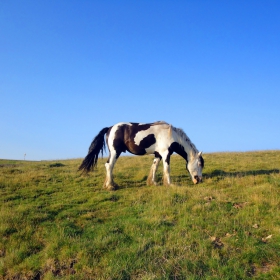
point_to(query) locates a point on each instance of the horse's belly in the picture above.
(140, 150)
(151, 149)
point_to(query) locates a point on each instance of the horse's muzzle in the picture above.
(197, 179)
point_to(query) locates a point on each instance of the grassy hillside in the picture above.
(55, 223)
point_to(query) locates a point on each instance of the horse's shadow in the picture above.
(217, 174)
(221, 173)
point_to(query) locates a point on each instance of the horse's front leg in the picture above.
(152, 175)
(166, 173)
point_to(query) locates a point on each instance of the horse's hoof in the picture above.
(112, 187)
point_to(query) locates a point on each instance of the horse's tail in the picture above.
(97, 146)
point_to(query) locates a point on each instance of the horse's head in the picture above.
(195, 166)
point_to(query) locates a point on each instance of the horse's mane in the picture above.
(160, 122)
(184, 138)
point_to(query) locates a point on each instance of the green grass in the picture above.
(57, 224)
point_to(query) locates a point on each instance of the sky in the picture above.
(70, 68)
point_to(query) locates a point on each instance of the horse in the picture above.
(158, 138)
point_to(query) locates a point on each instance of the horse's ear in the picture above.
(200, 154)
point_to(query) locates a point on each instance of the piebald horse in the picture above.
(158, 138)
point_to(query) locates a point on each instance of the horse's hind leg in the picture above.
(109, 165)
(152, 175)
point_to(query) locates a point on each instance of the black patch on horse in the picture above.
(157, 155)
(125, 133)
(118, 143)
(201, 160)
(177, 148)
(148, 141)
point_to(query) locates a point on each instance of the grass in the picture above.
(57, 224)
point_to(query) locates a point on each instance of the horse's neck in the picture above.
(188, 146)
(185, 148)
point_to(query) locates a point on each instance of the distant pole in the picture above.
(24, 156)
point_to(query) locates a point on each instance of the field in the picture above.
(58, 224)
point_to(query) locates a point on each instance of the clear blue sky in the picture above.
(70, 68)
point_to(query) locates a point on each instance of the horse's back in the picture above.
(139, 138)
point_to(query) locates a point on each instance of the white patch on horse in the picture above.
(151, 149)
(141, 135)
(154, 129)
